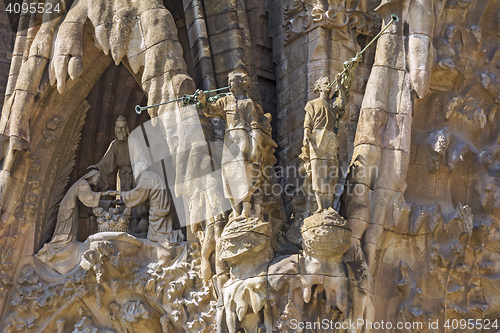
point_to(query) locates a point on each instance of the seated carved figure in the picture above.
(151, 188)
(66, 229)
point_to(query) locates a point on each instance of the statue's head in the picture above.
(238, 80)
(139, 168)
(322, 85)
(121, 129)
(93, 177)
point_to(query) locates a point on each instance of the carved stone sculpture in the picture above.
(321, 141)
(66, 230)
(325, 242)
(151, 189)
(112, 220)
(247, 135)
(413, 236)
(247, 242)
(117, 157)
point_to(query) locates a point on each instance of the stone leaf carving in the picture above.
(65, 160)
(340, 20)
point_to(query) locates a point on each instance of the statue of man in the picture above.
(117, 157)
(321, 141)
(151, 189)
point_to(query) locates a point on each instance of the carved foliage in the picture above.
(340, 20)
(178, 290)
(292, 7)
(54, 187)
(33, 300)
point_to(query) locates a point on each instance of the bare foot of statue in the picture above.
(320, 207)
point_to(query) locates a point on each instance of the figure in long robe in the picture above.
(117, 157)
(151, 189)
(321, 141)
(248, 132)
(66, 230)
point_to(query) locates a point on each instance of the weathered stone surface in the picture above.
(225, 41)
(222, 22)
(408, 234)
(391, 98)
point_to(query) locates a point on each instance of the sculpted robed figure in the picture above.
(321, 141)
(248, 133)
(117, 157)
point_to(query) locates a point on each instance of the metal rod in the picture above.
(139, 109)
(394, 18)
(218, 89)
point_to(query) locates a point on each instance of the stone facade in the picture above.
(6, 48)
(220, 213)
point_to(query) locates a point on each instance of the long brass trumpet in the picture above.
(353, 62)
(348, 65)
(186, 99)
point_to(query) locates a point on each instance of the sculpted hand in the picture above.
(93, 166)
(117, 202)
(306, 141)
(338, 77)
(358, 57)
(202, 97)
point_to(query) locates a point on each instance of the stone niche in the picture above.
(271, 178)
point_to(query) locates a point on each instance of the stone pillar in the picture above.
(199, 43)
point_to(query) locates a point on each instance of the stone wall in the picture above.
(6, 47)
(420, 243)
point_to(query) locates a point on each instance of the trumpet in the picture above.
(353, 62)
(186, 99)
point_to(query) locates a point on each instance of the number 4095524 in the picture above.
(485, 324)
(33, 8)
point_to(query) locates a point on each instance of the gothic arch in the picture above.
(49, 82)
